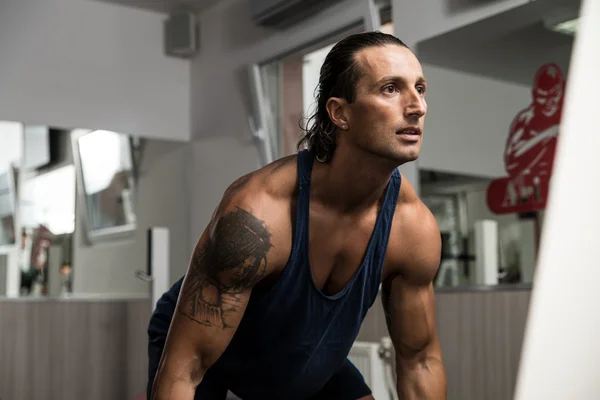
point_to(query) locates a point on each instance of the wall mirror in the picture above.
(459, 205)
(104, 161)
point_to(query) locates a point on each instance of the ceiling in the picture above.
(510, 46)
(166, 6)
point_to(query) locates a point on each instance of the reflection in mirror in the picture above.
(478, 246)
(11, 134)
(7, 208)
(47, 211)
(104, 159)
(43, 182)
(45, 262)
(48, 200)
(42, 171)
(48, 207)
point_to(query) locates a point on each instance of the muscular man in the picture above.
(281, 279)
(531, 143)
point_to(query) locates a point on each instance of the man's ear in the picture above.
(337, 109)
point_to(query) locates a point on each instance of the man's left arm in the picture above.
(409, 305)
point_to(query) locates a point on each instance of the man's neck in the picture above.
(350, 182)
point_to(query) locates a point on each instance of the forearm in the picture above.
(171, 385)
(168, 389)
(423, 379)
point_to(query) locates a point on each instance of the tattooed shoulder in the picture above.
(232, 261)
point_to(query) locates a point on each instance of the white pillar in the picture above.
(561, 350)
(486, 252)
(13, 273)
(528, 248)
(159, 266)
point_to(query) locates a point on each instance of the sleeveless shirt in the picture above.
(293, 337)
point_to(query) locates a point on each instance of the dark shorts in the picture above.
(346, 384)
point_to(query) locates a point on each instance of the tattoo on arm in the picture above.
(233, 261)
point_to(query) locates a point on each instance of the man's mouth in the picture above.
(411, 132)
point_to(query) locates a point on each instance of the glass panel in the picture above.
(459, 204)
(271, 78)
(445, 209)
(107, 172)
(7, 208)
(11, 150)
(48, 200)
(47, 210)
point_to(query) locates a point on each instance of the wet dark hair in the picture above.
(338, 78)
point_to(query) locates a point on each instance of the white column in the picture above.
(486, 252)
(528, 249)
(561, 350)
(13, 273)
(159, 262)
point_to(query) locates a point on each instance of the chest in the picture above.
(337, 247)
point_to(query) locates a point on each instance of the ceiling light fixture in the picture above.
(563, 20)
(568, 27)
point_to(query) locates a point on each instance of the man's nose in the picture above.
(416, 106)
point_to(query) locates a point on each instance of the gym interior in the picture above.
(123, 122)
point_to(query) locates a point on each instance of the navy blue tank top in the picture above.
(293, 337)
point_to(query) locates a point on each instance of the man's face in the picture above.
(386, 118)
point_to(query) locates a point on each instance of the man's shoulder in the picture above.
(276, 181)
(260, 202)
(415, 241)
(266, 193)
(413, 217)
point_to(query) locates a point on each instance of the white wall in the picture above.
(415, 21)
(217, 162)
(468, 122)
(11, 144)
(88, 64)
(163, 200)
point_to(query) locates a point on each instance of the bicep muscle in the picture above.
(224, 268)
